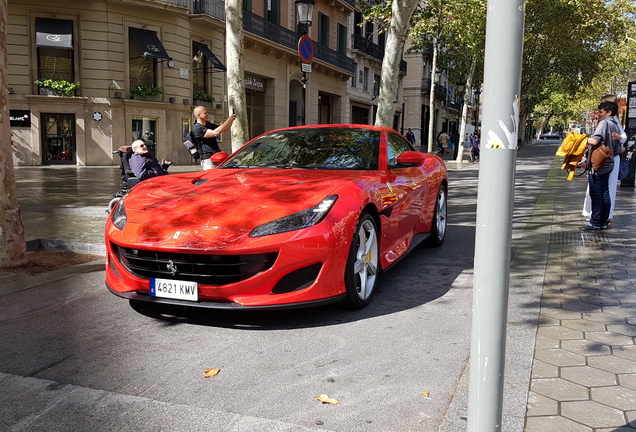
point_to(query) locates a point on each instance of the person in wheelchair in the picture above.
(144, 164)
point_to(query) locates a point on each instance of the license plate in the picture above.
(174, 289)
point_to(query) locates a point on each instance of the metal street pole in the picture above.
(303, 80)
(499, 133)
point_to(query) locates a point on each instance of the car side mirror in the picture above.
(411, 158)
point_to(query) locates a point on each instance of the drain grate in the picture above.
(580, 238)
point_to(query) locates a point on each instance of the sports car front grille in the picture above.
(201, 268)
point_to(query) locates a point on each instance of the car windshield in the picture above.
(315, 148)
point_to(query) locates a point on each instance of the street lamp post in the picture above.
(477, 94)
(304, 14)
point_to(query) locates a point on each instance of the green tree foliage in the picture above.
(565, 47)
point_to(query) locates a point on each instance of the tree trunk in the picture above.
(402, 11)
(467, 91)
(235, 74)
(431, 100)
(12, 244)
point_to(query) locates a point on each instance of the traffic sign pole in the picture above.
(306, 54)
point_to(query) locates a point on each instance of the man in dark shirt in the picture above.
(205, 133)
(143, 164)
(410, 136)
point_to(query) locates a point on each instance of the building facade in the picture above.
(142, 66)
(447, 100)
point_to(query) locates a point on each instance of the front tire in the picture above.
(438, 229)
(363, 266)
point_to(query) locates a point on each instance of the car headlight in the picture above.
(302, 219)
(118, 215)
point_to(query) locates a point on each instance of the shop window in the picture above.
(142, 68)
(54, 46)
(199, 71)
(145, 129)
(58, 139)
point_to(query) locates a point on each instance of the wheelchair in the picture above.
(128, 179)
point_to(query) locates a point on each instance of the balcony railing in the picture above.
(215, 9)
(259, 26)
(185, 4)
(365, 45)
(440, 91)
(454, 104)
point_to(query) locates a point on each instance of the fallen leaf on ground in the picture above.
(209, 373)
(326, 399)
(426, 394)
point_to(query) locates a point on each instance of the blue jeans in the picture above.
(601, 202)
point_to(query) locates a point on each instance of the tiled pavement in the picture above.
(584, 370)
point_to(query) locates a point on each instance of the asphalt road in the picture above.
(74, 357)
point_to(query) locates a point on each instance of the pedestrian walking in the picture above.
(410, 136)
(454, 139)
(442, 142)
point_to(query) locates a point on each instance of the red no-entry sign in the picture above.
(306, 49)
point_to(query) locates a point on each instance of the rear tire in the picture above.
(363, 265)
(438, 229)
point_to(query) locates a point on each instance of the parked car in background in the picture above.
(550, 136)
(297, 217)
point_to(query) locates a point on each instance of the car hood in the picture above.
(237, 199)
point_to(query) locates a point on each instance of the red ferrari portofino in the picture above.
(297, 217)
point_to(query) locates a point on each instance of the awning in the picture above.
(210, 56)
(54, 33)
(149, 43)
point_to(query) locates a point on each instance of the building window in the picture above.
(247, 5)
(142, 68)
(376, 85)
(199, 71)
(382, 41)
(368, 30)
(323, 29)
(272, 11)
(55, 54)
(342, 39)
(357, 23)
(365, 82)
(354, 78)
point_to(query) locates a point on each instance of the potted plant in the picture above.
(203, 98)
(57, 87)
(144, 92)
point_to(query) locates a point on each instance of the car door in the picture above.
(406, 188)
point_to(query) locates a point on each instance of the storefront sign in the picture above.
(146, 111)
(254, 84)
(20, 118)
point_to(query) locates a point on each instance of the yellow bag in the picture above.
(573, 149)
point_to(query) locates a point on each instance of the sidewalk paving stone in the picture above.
(593, 414)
